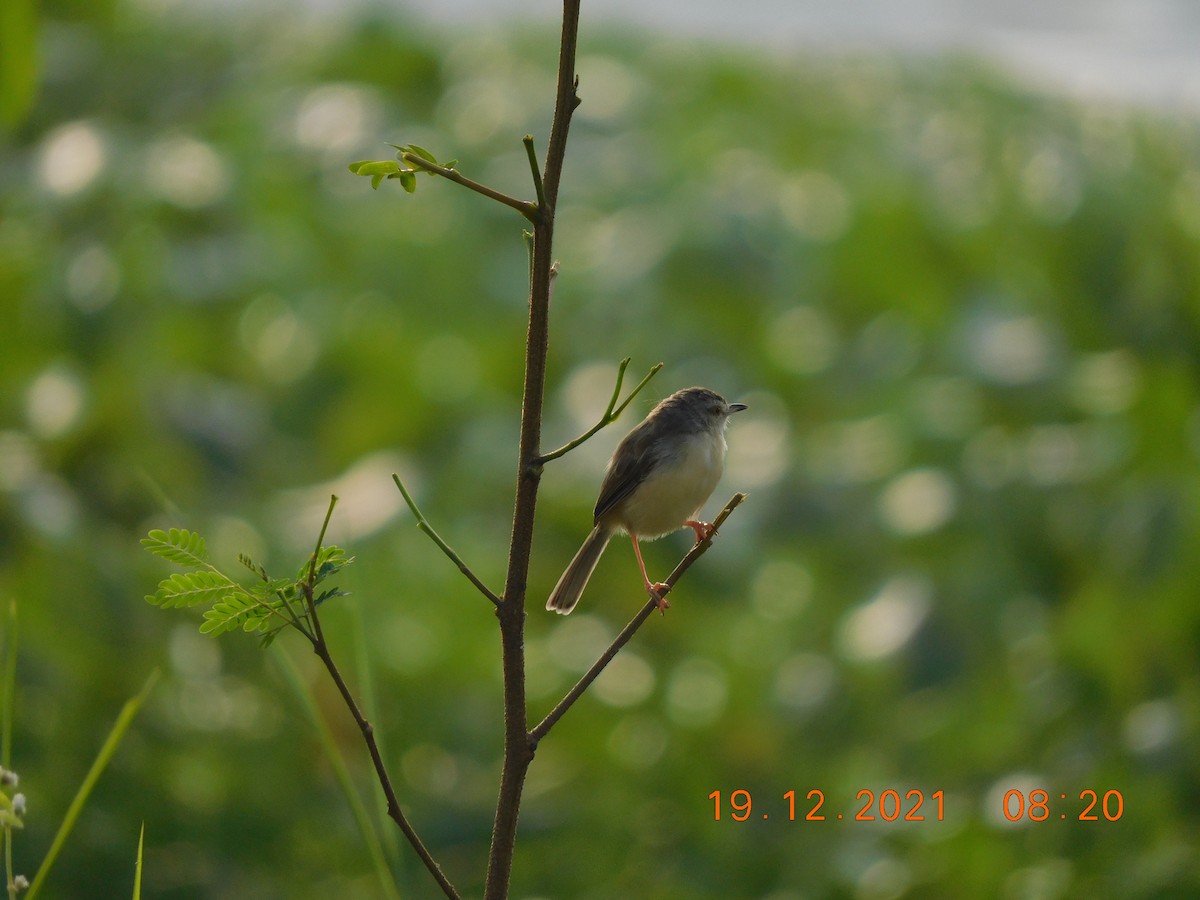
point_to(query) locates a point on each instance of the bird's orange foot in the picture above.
(656, 591)
(703, 530)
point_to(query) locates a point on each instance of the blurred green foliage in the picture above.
(18, 59)
(965, 319)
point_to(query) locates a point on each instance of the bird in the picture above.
(659, 476)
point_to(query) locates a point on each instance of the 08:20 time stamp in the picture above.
(889, 806)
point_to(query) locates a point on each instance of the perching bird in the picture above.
(659, 476)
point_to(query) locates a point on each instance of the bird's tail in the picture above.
(570, 586)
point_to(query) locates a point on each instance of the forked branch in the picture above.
(698, 550)
(611, 413)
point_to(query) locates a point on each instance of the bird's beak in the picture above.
(737, 407)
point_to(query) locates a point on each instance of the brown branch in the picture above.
(524, 207)
(565, 102)
(518, 752)
(321, 648)
(698, 550)
(393, 804)
(424, 525)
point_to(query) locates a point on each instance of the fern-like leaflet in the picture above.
(265, 607)
(179, 546)
(191, 588)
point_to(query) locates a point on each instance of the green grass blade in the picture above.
(137, 870)
(9, 686)
(128, 713)
(366, 824)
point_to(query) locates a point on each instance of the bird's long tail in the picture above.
(570, 586)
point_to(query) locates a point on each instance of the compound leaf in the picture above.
(187, 548)
(190, 588)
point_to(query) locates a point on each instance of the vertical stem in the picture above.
(7, 695)
(518, 748)
(565, 102)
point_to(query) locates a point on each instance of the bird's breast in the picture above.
(676, 489)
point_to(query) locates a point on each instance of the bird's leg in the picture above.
(654, 589)
(703, 530)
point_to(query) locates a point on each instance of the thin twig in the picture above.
(312, 562)
(611, 413)
(381, 773)
(524, 207)
(535, 171)
(308, 585)
(366, 827)
(293, 618)
(321, 649)
(698, 550)
(424, 525)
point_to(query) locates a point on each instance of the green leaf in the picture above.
(271, 590)
(378, 167)
(329, 560)
(330, 594)
(178, 545)
(408, 180)
(238, 611)
(256, 623)
(245, 560)
(223, 617)
(421, 152)
(375, 169)
(191, 588)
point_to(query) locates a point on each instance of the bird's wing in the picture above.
(633, 460)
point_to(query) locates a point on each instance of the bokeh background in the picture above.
(961, 304)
